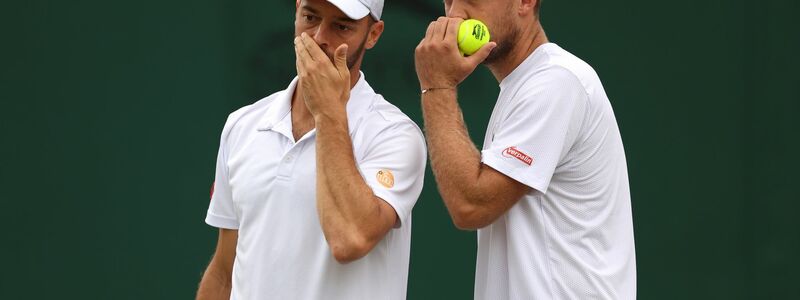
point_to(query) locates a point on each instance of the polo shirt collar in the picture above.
(278, 116)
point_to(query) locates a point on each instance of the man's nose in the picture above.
(320, 35)
(457, 11)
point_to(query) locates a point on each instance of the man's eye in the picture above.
(309, 18)
(343, 27)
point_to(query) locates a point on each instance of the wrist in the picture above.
(437, 83)
(331, 117)
(437, 89)
(439, 100)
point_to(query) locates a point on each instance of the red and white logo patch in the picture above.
(513, 152)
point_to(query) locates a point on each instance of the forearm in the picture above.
(455, 160)
(347, 207)
(475, 194)
(215, 285)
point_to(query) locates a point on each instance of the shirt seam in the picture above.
(548, 247)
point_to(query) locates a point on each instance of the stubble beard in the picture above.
(351, 58)
(503, 48)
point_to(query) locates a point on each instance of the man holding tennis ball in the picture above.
(549, 191)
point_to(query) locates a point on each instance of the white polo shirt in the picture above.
(265, 187)
(571, 237)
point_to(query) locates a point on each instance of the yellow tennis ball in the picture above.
(472, 34)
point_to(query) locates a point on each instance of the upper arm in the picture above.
(391, 163)
(387, 219)
(493, 194)
(539, 128)
(225, 253)
(218, 277)
(221, 211)
(541, 125)
(394, 169)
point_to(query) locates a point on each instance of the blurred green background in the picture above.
(111, 113)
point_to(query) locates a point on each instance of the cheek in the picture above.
(334, 39)
(499, 29)
(343, 36)
(352, 51)
(300, 28)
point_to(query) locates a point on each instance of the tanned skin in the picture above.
(329, 49)
(475, 194)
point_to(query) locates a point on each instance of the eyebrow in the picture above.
(340, 19)
(346, 20)
(309, 8)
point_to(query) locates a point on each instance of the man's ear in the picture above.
(527, 7)
(375, 32)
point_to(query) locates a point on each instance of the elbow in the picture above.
(345, 256)
(469, 217)
(468, 223)
(346, 250)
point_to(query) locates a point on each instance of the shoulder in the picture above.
(556, 84)
(248, 116)
(384, 116)
(549, 86)
(562, 68)
(384, 124)
(554, 74)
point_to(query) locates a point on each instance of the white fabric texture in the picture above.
(571, 237)
(265, 187)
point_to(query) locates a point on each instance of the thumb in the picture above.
(340, 59)
(482, 54)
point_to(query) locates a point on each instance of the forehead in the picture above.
(323, 8)
(483, 4)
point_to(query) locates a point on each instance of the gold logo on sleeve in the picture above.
(385, 178)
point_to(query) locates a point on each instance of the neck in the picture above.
(300, 110)
(525, 45)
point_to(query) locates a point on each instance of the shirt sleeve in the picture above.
(394, 167)
(539, 128)
(221, 212)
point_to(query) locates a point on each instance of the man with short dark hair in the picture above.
(315, 184)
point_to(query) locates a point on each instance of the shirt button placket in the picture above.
(288, 161)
